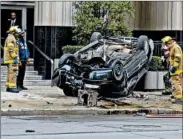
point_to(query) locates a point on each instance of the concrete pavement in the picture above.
(89, 127)
(47, 100)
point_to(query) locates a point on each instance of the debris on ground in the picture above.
(49, 102)
(139, 95)
(29, 131)
(109, 102)
(140, 100)
(140, 114)
(37, 98)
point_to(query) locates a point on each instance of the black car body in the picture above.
(103, 67)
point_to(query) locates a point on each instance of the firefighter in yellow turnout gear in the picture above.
(11, 58)
(176, 63)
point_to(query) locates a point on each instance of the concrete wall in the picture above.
(53, 14)
(18, 3)
(149, 15)
(158, 15)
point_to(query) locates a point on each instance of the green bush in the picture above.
(89, 14)
(71, 49)
(156, 64)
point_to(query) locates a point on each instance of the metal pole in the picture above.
(176, 35)
(52, 69)
(24, 20)
(181, 36)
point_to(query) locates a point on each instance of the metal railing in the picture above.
(2, 47)
(1, 44)
(157, 47)
(45, 56)
(2, 58)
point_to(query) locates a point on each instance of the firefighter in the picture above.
(175, 67)
(11, 58)
(24, 59)
(166, 77)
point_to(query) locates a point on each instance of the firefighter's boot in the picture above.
(19, 88)
(177, 86)
(12, 90)
(166, 92)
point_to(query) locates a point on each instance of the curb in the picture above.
(88, 111)
(164, 116)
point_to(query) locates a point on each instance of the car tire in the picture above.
(55, 77)
(95, 37)
(151, 45)
(64, 58)
(55, 73)
(117, 69)
(143, 43)
(69, 91)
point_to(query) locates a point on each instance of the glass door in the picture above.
(6, 11)
(21, 19)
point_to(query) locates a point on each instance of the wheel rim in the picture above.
(118, 71)
(151, 44)
(146, 47)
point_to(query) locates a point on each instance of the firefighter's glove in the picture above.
(172, 69)
(15, 60)
(162, 58)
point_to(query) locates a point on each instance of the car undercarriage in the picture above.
(107, 67)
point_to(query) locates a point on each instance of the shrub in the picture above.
(156, 64)
(88, 14)
(71, 49)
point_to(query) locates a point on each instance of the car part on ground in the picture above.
(87, 97)
(111, 66)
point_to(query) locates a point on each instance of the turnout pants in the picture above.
(167, 83)
(21, 73)
(176, 81)
(12, 76)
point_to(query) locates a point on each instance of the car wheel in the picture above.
(117, 69)
(69, 91)
(95, 36)
(64, 59)
(55, 73)
(143, 43)
(55, 77)
(151, 44)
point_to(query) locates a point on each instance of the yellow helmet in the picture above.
(166, 39)
(14, 29)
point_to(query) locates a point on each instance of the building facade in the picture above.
(49, 24)
(158, 18)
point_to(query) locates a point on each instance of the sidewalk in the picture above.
(51, 101)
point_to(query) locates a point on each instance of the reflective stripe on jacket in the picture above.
(176, 59)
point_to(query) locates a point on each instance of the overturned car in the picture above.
(112, 66)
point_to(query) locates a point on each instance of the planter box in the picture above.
(154, 80)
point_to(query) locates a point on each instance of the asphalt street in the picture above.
(90, 127)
